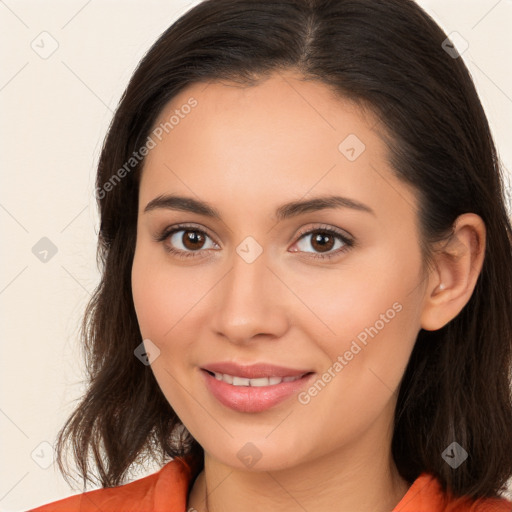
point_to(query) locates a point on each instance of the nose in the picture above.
(250, 302)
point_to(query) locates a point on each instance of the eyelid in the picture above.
(326, 227)
(163, 234)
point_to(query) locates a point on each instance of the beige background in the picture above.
(55, 112)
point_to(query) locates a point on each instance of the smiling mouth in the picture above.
(259, 382)
(258, 394)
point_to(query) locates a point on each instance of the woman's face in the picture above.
(264, 284)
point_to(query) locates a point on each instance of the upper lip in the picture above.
(253, 371)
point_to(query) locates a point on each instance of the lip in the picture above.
(253, 371)
(251, 399)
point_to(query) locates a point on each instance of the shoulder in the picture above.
(426, 495)
(481, 505)
(165, 490)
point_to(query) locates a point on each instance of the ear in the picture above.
(458, 264)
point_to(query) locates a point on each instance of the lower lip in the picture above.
(253, 399)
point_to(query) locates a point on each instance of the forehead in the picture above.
(284, 102)
(282, 137)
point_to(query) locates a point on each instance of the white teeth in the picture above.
(240, 381)
(260, 382)
(263, 381)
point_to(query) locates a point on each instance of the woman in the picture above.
(306, 277)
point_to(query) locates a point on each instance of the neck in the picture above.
(337, 482)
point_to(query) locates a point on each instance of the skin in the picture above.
(246, 151)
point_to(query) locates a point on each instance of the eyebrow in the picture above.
(285, 211)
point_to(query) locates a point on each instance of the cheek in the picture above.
(368, 313)
(162, 295)
(371, 334)
(377, 289)
(162, 298)
(149, 298)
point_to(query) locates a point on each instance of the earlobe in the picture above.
(458, 263)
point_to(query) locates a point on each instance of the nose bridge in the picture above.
(249, 299)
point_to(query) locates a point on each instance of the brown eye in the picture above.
(185, 241)
(325, 243)
(193, 239)
(322, 241)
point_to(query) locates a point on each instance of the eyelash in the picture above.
(169, 231)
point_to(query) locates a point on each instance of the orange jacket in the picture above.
(167, 491)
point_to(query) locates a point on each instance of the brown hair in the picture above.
(384, 54)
